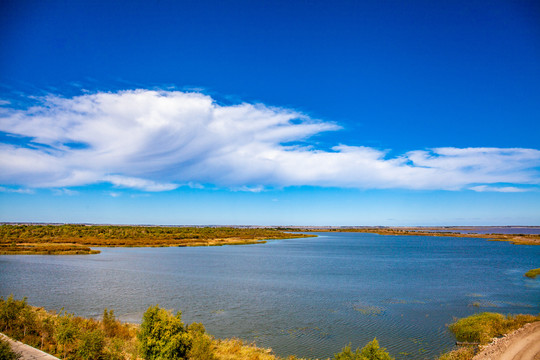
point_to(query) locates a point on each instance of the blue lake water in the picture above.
(308, 297)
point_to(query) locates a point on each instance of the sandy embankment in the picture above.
(522, 344)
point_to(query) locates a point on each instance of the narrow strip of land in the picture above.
(522, 344)
(27, 352)
(79, 239)
(516, 239)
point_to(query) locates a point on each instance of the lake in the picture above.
(308, 297)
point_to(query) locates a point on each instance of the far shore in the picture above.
(516, 239)
(79, 239)
(70, 239)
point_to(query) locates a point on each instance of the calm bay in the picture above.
(308, 297)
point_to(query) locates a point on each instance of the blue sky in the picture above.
(270, 112)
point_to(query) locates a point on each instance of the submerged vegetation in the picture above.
(78, 239)
(161, 335)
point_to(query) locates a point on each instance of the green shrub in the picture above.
(371, 351)
(481, 328)
(162, 335)
(10, 311)
(91, 345)
(202, 347)
(65, 333)
(6, 353)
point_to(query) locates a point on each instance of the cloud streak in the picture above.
(160, 140)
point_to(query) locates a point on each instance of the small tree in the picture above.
(10, 314)
(372, 351)
(162, 335)
(65, 332)
(6, 353)
(202, 347)
(109, 322)
(91, 345)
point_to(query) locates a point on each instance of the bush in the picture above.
(481, 328)
(202, 347)
(10, 311)
(162, 335)
(478, 328)
(6, 353)
(371, 351)
(91, 345)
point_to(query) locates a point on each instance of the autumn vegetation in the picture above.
(79, 239)
(480, 329)
(161, 336)
(533, 273)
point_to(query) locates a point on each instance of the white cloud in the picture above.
(64, 191)
(18, 191)
(160, 140)
(136, 183)
(508, 189)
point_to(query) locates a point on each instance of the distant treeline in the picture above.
(77, 239)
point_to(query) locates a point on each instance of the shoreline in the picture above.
(65, 239)
(503, 336)
(515, 239)
(79, 239)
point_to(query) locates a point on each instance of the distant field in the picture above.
(78, 239)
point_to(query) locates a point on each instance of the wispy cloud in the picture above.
(507, 189)
(18, 191)
(64, 191)
(160, 140)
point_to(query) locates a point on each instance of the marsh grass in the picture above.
(533, 273)
(235, 349)
(481, 328)
(463, 353)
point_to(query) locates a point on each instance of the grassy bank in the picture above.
(516, 239)
(78, 239)
(161, 335)
(480, 329)
(533, 273)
